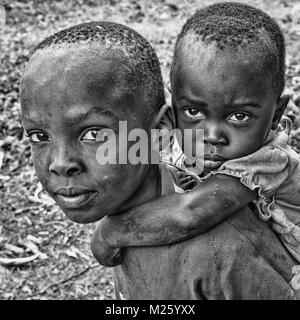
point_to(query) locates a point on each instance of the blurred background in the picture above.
(42, 254)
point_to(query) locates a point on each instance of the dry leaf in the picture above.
(1, 159)
(33, 248)
(2, 16)
(18, 261)
(13, 248)
(70, 252)
(79, 253)
(41, 197)
(34, 239)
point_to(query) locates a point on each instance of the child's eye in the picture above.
(38, 137)
(239, 117)
(193, 113)
(90, 135)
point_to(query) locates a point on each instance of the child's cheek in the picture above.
(118, 180)
(40, 162)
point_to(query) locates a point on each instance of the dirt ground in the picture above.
(42, 254)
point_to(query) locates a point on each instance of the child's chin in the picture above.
(82, 216)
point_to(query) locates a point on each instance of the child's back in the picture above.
(227, 79)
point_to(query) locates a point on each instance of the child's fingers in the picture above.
(112, 261)
(117, 259)
(110, 258)
(188, 185)
(186, 179)
(106, 256)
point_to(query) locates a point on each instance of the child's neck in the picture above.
(147, 191)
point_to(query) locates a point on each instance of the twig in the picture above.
(76, 275)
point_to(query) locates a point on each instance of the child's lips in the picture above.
(213, 161)
(74, 198)
(208, 164)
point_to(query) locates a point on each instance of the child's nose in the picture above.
(64, 165)
(214, 134)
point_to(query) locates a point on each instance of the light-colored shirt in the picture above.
(274, 172)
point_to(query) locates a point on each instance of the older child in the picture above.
(227, 78)
(85, 80)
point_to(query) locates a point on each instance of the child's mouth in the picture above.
(209, 164)
(213, 161)
(74, 198)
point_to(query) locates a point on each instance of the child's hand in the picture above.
(105, 254)
(187, 182)
(108, 256)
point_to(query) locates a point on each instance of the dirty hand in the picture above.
(105, 254)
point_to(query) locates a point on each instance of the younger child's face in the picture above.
(66, 98)
(227, 95)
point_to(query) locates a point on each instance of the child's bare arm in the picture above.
(175, 217)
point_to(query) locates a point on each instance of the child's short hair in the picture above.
(233, 24)
(134, 50)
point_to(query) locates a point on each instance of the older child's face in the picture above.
(66, 98)
(226, 95)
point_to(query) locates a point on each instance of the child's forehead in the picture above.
(63, 61)
(208, 73)
(77, 70)
(200, 56)
(60, 81)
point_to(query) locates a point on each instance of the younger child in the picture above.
(227, 78)
(85, 80)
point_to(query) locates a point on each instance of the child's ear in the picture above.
(165, 118)
(165, 122)
(281, 106)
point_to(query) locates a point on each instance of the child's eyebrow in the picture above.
(203, 104)
(95, 111)
(36, 121)
(243, 105)
(195, 101)
(78, 117)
